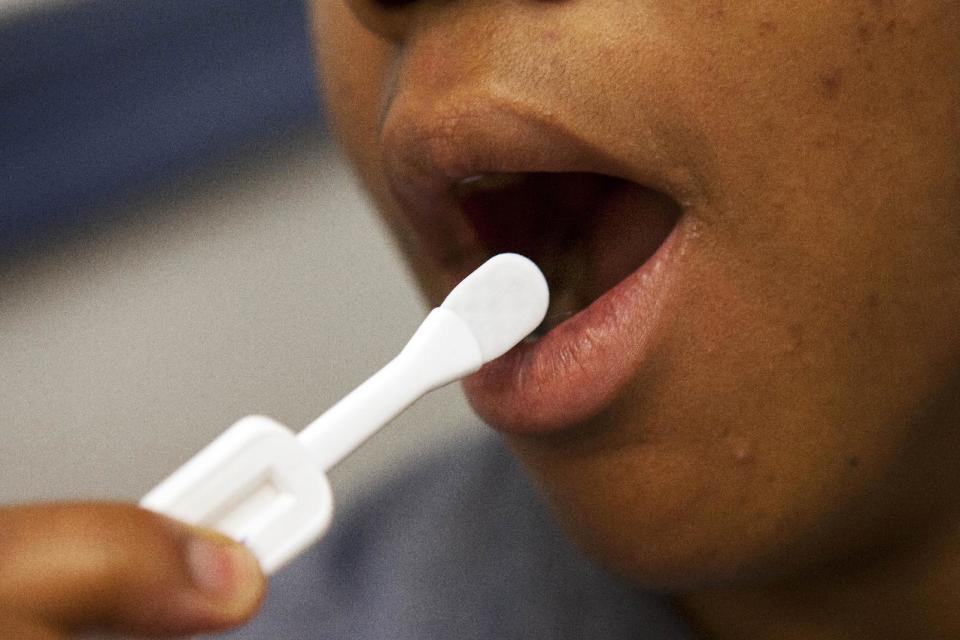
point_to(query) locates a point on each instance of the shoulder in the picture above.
(458, 547)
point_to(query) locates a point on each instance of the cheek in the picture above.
(353, 66)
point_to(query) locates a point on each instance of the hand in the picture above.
(72, 568)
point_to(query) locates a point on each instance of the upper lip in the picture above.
(428, 150)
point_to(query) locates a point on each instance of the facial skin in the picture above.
(786, 435)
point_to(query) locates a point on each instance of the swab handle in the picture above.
(442, 350)
(255, 483)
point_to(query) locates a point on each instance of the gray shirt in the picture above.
(459, 547)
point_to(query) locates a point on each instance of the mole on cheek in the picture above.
(766, 27)
(831, 81)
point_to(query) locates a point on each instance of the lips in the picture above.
(475, 181)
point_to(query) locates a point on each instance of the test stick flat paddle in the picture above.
(263, 484)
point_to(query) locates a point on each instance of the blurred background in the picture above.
(181, 245)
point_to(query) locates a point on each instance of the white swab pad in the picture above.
(266, 486)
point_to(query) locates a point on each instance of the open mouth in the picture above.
(607, 231)
(586, 231)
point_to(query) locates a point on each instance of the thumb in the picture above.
(76, 567)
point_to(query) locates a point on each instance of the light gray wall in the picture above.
(264, 287)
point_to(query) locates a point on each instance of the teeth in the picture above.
(489, 182)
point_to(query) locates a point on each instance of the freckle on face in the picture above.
(767, 27)
(831, 82)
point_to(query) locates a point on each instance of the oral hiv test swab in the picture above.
(263, 484)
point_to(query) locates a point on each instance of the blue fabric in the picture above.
(460, 547)
(102, 97)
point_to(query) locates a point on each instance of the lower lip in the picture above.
(580, 367)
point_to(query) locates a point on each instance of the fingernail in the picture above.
(224, 571)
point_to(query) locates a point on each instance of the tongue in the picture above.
(586, 231)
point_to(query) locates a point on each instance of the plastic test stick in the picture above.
(263, 484)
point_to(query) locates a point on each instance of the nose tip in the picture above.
(387, 18)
